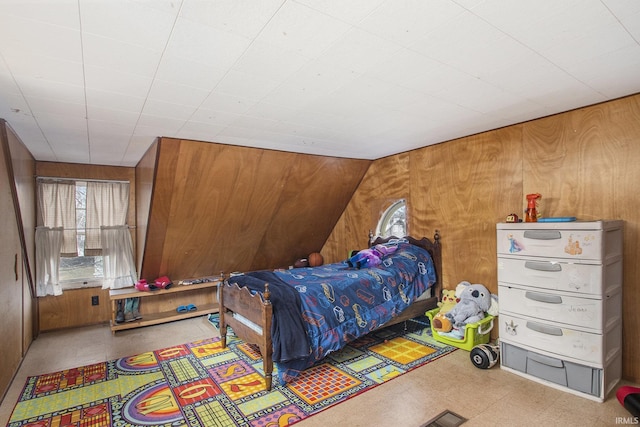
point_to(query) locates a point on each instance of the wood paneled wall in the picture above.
(145, 175)
(23, 169)
(73, 309)
(17, 222)
(583, 162)
(217, 207)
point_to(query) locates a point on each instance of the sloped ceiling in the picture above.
(90, 81)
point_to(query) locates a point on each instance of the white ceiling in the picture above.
(95, 81)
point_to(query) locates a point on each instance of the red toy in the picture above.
(629, 398)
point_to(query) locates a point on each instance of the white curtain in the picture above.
(57, 203)
(48, 246)
(117, 256)
(107, 205)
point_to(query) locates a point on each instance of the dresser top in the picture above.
(571, 225)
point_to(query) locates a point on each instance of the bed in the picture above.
(298, 316)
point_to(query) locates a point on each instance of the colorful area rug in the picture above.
(203, 384)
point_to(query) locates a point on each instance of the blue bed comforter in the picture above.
(334, 304)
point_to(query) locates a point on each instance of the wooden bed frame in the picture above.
(256, 308)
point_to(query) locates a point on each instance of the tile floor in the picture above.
(485, 397)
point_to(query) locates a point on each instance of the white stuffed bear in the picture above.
(475, 301)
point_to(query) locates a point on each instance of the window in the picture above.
(76, 271)
(393, 221)
(82, 211)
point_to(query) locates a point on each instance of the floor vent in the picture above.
(445, 419)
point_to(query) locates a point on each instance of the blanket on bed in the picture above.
(324, 308)
(288, 332)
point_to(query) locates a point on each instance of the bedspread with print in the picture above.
(288, 332)
(340, 304)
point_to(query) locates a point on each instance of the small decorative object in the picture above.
(513, 218)
(315, 259)
(300, 263)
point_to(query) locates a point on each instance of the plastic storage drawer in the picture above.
(577, 377)
(586, 277)
(568, 342)
(561, 307)
(576, 240)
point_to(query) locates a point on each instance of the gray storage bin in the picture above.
(568, 374)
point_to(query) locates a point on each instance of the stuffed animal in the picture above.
(493, 309)
(449, 300)
(475, 301)
(370, 257)
(461, 287)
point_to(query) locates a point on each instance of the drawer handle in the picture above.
(545, 360)
(544, 329)
(549, 299)
(543, 266)
(542, 234)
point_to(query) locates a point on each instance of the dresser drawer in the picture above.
(585, 379)
(576, 240)
(562, 275)
(561, 307)
(558, 339)
(575, 244)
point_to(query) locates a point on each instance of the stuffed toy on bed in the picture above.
(370, 257)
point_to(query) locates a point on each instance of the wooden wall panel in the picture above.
(315, 193)
(226, 208)
(161, 195)
(583, 162)
(463, 188)
(11, 280)
(23, 165)
(386, 181)
(145, 173)
(73, 309)
(23, 169)
(220, 214)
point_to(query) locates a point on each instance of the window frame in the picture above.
(89, 268)
(383, 229)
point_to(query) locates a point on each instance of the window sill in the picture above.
(66, 286)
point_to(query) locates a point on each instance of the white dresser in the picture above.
(560, 294)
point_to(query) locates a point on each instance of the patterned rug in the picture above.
(203, 384)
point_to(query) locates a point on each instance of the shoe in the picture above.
(135, 309)
(143, 286)
(161, 283)
(119, 311)
(182, 309)
(191, 307)
(128, 310)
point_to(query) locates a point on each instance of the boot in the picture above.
(128, 310)
(135, 309)
(119, 311)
